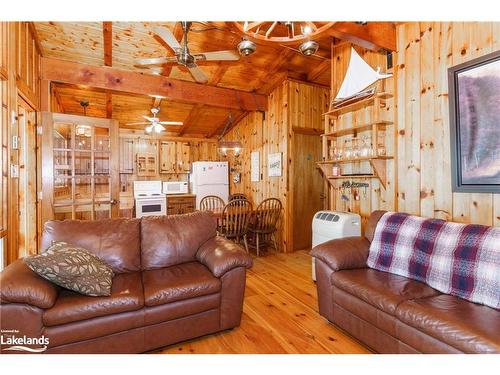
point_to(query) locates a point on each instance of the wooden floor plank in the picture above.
(279, 315)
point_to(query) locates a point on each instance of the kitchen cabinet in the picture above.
(146, 165)
(126, 155)
(181, 204)
(175, 157)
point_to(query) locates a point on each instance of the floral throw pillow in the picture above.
(73, 268)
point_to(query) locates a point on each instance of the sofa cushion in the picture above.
(94, 328)
(382, 290)
(73, 268)
(178, 283)
(126, 295)
(115, 241)
(174, 239)
(467, 326)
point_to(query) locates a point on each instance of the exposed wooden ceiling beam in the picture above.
(191, 119)
(273, 82)
(218, 75)
(119, 80)
(372, 35)
(279, 64)
(319, 70)
(197, 109)
(107, 34)
(220, 128)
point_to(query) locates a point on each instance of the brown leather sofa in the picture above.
(174, 280)
(394, 314)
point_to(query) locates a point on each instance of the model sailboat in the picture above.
(359, 82)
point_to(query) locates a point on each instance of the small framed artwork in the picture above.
(274, 166)
(255, 166)
(474, 94)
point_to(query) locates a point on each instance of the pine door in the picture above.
(80, 167)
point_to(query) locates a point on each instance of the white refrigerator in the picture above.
(210, 178)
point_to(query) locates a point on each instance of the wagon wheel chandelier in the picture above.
(281, 32)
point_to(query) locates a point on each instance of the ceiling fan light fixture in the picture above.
(309, 47)
(158, 128)
(149, 128)
(246, 47)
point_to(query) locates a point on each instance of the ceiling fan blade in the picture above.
(138, 123)
(198, 74)
(155, 61)
(168, 37)
(178, 123)
(229, 55)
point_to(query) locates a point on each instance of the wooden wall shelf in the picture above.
(357, 129)
(351, 176)
(355, 160)
(360, 104)
(378, 163)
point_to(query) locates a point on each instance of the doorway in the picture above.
(80, 167)
(308, 188)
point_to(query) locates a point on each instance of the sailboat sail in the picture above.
(358, 82)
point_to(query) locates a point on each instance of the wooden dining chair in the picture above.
(235, 196)
(212, 203)
(265, 222)
(235, 219)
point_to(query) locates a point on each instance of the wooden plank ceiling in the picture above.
(119, 44)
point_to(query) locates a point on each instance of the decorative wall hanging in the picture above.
(474, 92)
(255, 166)
(359, 82)
(274, 166)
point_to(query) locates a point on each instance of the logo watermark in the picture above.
(20, 343)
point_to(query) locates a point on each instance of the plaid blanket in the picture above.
(458, 259)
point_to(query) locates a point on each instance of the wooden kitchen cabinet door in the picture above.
(183, 157)
(168, 157)
(126, 155)
(146, 165)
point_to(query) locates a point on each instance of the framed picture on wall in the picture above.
(474, 94)
(274, 166)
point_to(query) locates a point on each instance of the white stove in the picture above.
(149, 199)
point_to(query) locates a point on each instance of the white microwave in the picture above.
(175, 187)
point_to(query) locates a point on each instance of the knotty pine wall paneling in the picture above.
(425, 52)
(292, 105)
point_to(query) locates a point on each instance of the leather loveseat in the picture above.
(174, 280)
(394, 314)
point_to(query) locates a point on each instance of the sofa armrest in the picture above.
(19, 284)
(343, 253)
(221, 255)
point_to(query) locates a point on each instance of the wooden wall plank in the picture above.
(440, 46)
(291, 105)
(427, 99)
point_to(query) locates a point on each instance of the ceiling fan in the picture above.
(154, 123)
(183, 55)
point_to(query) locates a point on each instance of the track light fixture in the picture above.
(246, 47)
(309, 47)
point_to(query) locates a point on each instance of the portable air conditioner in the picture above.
(328, 225)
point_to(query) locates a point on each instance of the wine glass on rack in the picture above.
(355, 148)
(366, 148)
(381, 149)
(347, 149)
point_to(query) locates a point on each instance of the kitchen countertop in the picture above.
(187, 195)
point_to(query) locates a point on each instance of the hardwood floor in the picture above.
(280, 315)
